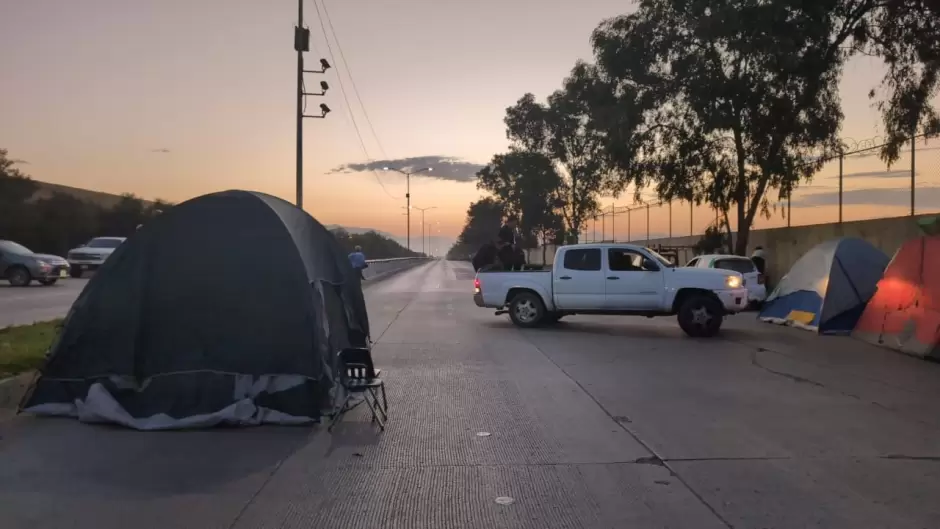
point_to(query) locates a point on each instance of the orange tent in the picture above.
(904, 313)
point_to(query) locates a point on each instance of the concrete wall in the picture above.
(382, 267)
(785, 245)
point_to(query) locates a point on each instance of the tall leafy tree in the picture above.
(527, 183)
(484, 218)
(559, 131)
(727, 101)
(906, 35)
(741, 97)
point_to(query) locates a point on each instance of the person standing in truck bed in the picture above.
(507, 242)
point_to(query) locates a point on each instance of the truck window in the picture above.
(693, 262)
(587, 260)
(622, 260)
(741, 265)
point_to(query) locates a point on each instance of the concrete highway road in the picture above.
(599, 422)
(20, 306)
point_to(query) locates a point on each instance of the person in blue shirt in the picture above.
(358, 261)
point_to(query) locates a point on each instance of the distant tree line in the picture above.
(59, 222)
(729, 103)
(374, 245)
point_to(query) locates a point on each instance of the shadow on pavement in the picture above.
(63, 456)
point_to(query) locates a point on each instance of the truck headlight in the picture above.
(733, 281)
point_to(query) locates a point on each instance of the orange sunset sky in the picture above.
(174, 98)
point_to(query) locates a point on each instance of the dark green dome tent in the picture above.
(229, 308)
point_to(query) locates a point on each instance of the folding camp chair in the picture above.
(360, 377)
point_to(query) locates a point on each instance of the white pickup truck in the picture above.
(619, 279)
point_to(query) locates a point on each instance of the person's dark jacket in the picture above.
(485, 256)
(507, 256)
(760, 264)
(507, 235)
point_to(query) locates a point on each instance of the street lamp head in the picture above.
(324, 86)
(325, 109)
(324, 64)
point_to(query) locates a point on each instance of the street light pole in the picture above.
(301, 44)
(408, 193)
(422, 210)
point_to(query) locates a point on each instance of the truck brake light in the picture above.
(476, 284)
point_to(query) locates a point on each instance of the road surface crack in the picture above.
(653, 458)
(911, 458)
(650, 460)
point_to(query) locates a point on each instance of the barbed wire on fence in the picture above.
(850, 147)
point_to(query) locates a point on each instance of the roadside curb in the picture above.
(12, 389)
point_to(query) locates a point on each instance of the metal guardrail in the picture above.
(398, 259)
(381, 267)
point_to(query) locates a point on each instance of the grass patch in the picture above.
(23, 347)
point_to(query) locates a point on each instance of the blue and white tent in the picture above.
(826, 290)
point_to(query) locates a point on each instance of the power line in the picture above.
(352, 81)
(342, 88)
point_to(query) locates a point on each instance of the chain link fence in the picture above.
(856, 185)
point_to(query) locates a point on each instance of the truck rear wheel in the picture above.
(700, 316)
(526, 310)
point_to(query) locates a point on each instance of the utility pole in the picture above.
(422, 210)
(408, 193)
(301, 45)
(913, 171)
(629, 225)
(613, 225)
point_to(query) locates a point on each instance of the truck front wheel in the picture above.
(700, 316)
(526, 310)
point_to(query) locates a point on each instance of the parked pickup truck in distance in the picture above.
(620, 279)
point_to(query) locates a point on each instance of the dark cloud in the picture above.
(442, 167)
(876, 174)
(895, 196)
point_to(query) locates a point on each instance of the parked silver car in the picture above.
(91, 255)
(20, 266)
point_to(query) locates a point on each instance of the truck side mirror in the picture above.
(650, 265)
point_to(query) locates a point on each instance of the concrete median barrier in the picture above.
(381, 268)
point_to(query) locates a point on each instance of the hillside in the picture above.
(98, 198)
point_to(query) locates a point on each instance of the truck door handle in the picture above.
(564, 278)
(612, 277)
